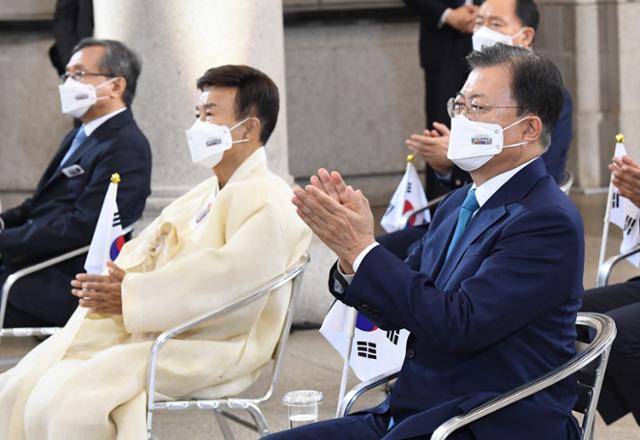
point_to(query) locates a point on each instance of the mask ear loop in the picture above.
(513, 125)
(240, 141)
(519, 32)
(101, 85)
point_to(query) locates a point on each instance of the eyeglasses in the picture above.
(457, 106)
(78, 75)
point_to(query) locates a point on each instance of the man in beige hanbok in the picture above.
(231, 233)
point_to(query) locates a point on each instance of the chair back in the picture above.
(590, 362)
(221, 406)
(295, 276)
(567, 182)
(591, 376)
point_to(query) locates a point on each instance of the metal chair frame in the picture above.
(597, 351)
(567, 182)
(17, 275)
(604, 271)
(222, 406)
(409, 215)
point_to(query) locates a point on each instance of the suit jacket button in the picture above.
(411, 353)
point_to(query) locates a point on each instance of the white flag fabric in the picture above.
(626, 216)
(108, 237)
(374, 351)
(409, 196)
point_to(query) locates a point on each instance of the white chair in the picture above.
(591, 361)
(16, 276)
(222, 407)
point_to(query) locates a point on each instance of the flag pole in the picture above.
(351, 318)
(607, 214)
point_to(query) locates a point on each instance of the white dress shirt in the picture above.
(483, 194)
(90, 127)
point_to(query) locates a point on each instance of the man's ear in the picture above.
(118, 88)
(253, 126)
(533, 129)
(525, 39)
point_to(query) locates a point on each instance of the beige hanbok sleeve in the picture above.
(256, 249)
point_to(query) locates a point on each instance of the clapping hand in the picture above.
(432, 146)
(337, 214)
(626, 177)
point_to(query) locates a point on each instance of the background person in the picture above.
(620, 394)
(445, 40)
(63, 211)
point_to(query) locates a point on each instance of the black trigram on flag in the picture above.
(393, 336)
(116, 220)
(615, 200)
(367, 349)
(408, 187)
(629, 223)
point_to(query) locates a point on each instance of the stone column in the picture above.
(592, 42)
(178, 41)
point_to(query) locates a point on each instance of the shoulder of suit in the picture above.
(548, 203)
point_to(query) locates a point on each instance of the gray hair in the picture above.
(536, 82)
(118, 61)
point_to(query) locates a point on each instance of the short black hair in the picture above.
(256, 93)
(536, 82)
(118, 61)
(527, 12)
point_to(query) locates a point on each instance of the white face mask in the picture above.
(472, 143)
(486, 37)
(208, 142)
(76, 97)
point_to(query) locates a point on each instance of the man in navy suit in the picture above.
(491, 294)
(517, 21)
(99, 87)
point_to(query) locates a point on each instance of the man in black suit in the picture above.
(445, 40)
(620, 393)
(99, 86)
(72, 21)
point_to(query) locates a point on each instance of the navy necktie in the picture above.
(78, 140)
(469, 206)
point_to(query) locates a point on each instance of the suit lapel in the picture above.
(435, 250)
(82, 150)
(491, 212)
(482, 221)
(100, 134)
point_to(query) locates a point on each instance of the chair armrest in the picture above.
(209, 316)
(356, 392)
(604, 271)
(14, 277)
(408, 215)
(606, 332)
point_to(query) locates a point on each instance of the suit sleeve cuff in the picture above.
(356, 263)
